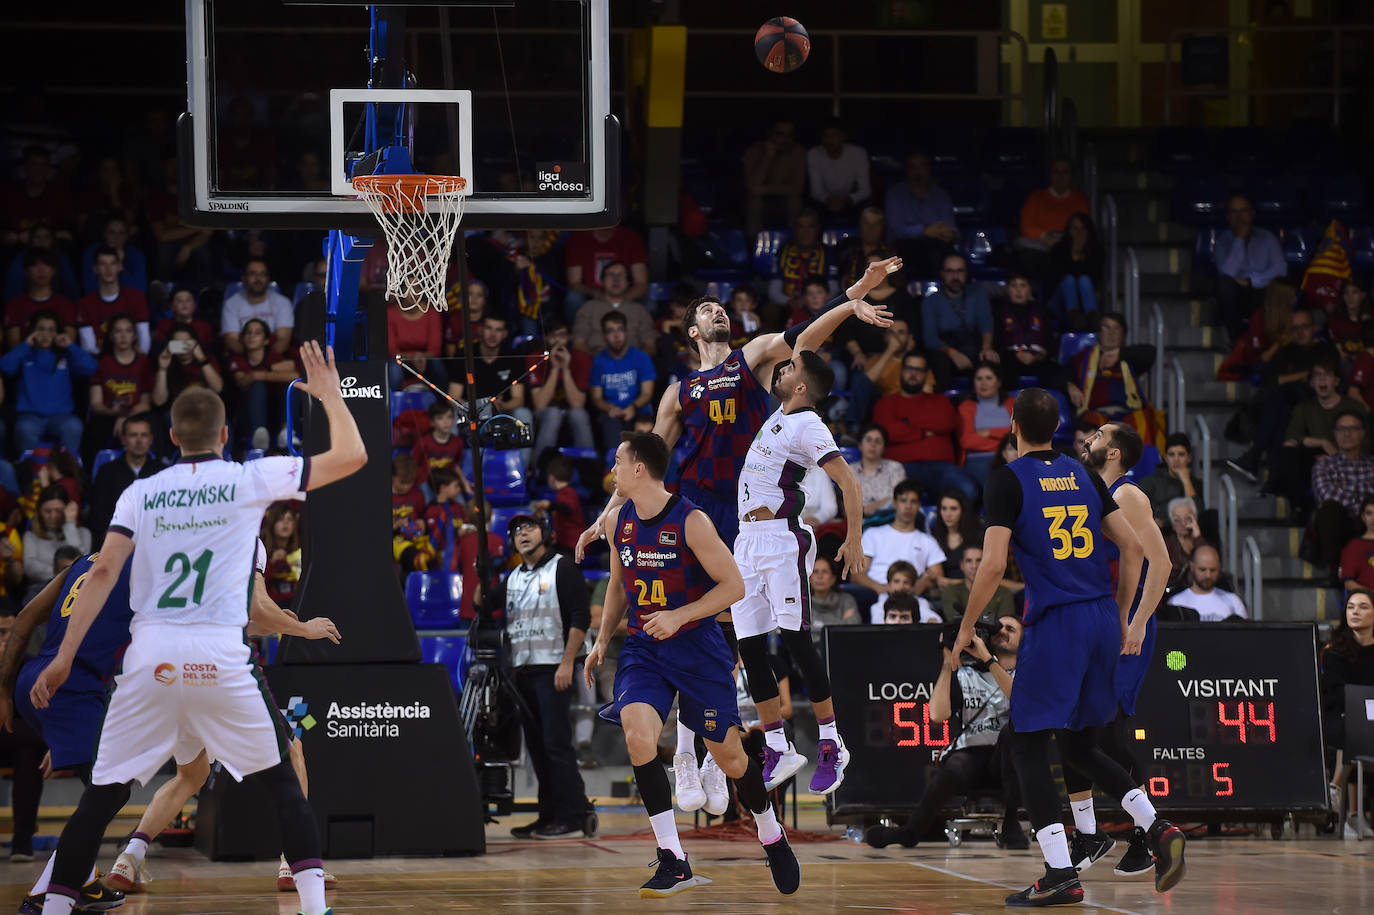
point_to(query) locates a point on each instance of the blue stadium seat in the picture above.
(952, 152)
(302, 290)
(503, 478)
(520, 341)
(849, 453)
(232, 289)
(1149, 460)
(921, 288)
(402, 401)
(1070, 345)
(596, 574)
(253, 454)
(1013, 151)
(1064, 433)
(979, 245)
(660, 292)
(1362, 248)
(500, 518)
(1205, 251)
(103, 457)
(434, 599)
(1338, 197)
(721, 289)
(929, 515)
(1200, 200)
(972, 200)
(958, 385)
(726, 252)
(448, 650)
(1299, 243)
(766, 247)
(1275, 198)
(833, 236)
(1180, 151)
(1245, 150)
(1306, 149)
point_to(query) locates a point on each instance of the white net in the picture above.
(419, 238)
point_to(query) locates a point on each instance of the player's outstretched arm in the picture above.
(1135, 505)
(851, 553)
(1119, 530)
(715, 557)
(91, 597)
(346, 454)
(612, 612)
(996, 542)
(266, 618)
(34, 612)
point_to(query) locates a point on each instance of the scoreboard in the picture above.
(1229, 718)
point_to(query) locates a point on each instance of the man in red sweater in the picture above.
(922, 430)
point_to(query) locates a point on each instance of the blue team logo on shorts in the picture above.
(298, 717)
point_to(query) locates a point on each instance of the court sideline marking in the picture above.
(1008, 886)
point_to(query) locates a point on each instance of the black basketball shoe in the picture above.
(1137, 859)
(1167, 842)
(527, 831)
(1086, 849)
(883, 836)
(1059, 886)
(674, 875)
(782, 861)
(94, 897)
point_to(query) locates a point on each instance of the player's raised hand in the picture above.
(321, 628)
(874, 275)
(321, 374)
(48, 683)
(851, 557)
(594, 659)
(877, 315)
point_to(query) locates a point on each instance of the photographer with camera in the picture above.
(980, 757)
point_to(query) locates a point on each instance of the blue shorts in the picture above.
(695, 666)
(1066, 668)
(70, 725)
(723, 514)
(1131, 669)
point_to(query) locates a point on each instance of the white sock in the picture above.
(1084, 817)
(42, 885)
(828, 731)
(776, 738)
(665, 833)
(57, 904)
(138, 848)
(310, 887)
(767, 822)
(1137, 804)
(686, 740)
(1054, 846)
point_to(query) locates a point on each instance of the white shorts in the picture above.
(184, 689)
(775, 557)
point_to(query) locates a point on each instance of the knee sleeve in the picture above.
(1039, 794)
(80, 842)
(300, 833)
(808, 660)
(750, 788)
(763, 685)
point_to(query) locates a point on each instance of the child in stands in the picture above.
(566, 517)
(440, 447)
(411, 548)
(445, 513)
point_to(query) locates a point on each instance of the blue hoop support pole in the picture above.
(291, 448)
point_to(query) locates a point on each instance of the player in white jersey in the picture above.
(775, 552)
(188, 681)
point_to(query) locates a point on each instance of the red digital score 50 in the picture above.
(913, 733)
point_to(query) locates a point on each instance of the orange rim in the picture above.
(406, 193)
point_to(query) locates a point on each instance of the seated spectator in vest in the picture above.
(879, 375)
(41, 239)
(122, 386)
(1172, 477)
(261, 375)
(613, 298)
(564, 511)
(1269, 331)
(1349, 318)
(900, 539)
(53, 526)
(954, 592)
(800, 258)
(837, 173)
(558, 391)
(774, 178)
(1248, 258)
(1106, 387)
(257, 299)
(1076, 265)
(1357, 558)
(39, 195)
(1340, 482)
(829, 605)
(922, 428)
(1046, 212)
(1347, 659)
(1183, 537)
(1213, 604)
(184, 311)
(622, 380)
(984, 417)
(855, 252)
(281, 537)
(956, 525)
(1023, 338)
(586, 255)
(445, 513)
(920, 218)
(108, 299)
(440, 447)
(40, 272)
(44, 363)
(956, 322)
(133, 266)
(1311, 433)
(135, 462)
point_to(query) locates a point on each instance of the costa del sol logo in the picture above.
(298, 717)
(166, 674)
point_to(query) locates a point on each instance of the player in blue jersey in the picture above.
(720, 408)
(1111, 452)
(673, 572)
(1053, 511)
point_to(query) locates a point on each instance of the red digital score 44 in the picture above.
(903, 721)
(1245, 712)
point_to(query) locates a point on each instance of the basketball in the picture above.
(782, 44)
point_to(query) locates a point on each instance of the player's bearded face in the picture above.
(713, 325)
(1095, 452)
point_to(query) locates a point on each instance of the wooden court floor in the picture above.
(1226, 875)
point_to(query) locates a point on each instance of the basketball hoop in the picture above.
(418, 240)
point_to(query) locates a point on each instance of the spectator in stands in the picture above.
(21, 749)
(1106, 386)
(956, 322)
(902, 579)
(1249, 258)
(110, 298)
(54, 525)
(837, 173)
(1023, 338)
(261, 374)
(878, 475)
(558, 391)
(445, 513)
(183, 253)
(1213, 604)
(1006, 451)
(1184, 536)
(45, 362)
(1172, 477)
(40, 270)
(801, 257)
(41, 239)
(281, 535)
(892, 294)
(980, 756)
(921, 431)
(855, 252)
(920, 218)
(954, 592)
(622, 380)
(183, 363)
(956, 526)
(417, 336)
(441, 447)
(878, 375)
(1340, 481)
(465, 556)
(564, 511)
(1357, 558)
(122, 386)
(1046, 212)
(497, 370)
(1270, 330)
(1347, 322)
(900, 539)
(983, 419)
(135, 462)
(476, 311)
(902, 610)
(183, 308)
(410, 542)
(1076, 265)
(1311, 433)
(613, 298)
(257, 299)
(11, 566)
(586, 255)
(133, 266)
(39, 196)
(744, 311)
(822, 505)
(1347, 659)
(774, 178)
(1083, 431)
(829, 605)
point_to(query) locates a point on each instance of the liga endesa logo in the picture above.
(166, 674)
(562, 179)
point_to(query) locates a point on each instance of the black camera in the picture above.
(505, 433)
(985, 627)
